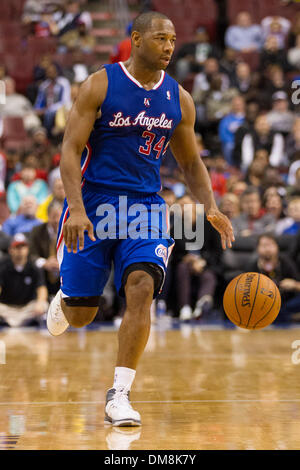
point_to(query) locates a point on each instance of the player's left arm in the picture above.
(184, 148)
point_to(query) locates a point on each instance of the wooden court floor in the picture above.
(195, 389)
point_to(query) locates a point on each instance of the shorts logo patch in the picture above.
(162, 252)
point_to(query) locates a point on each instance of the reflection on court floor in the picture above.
(196, 388)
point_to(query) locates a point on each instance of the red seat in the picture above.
(10, 28)
(252, 59)
(14, 134)
(20, 67)
(41, 46)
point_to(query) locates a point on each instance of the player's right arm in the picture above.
(79, 126)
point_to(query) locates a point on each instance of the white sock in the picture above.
(123, 378)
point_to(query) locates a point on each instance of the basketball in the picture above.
(251, 301)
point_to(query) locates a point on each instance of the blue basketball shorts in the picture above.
(128, 229)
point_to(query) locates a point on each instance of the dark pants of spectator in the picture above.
(185, 278)
(288, 308)
(49, 120)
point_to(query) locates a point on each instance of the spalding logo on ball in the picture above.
(252, 301)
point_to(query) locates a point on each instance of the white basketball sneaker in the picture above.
(56, 321)
(118, 410)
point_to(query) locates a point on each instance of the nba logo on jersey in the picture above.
(146, 102)
(168, 95)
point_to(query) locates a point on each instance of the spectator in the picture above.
(252, 109)
(276, 27)
(30, 159)
(228, 63)
(243, 80)
(23, 293)
(255, 173)
(122, 51)
(252, 220)
(202, 80)
(294, 31)
(53, 94)
(273, 204)
(280, 117)
(71, 17)
(262, 137)
(291, 224)
(217, 100)
(62, 113)
(272, 54)
(192, 55)
(192, 270)
(244, 36)
(29, 184)
(274, 80)
(57, 194)
(77, 39)
(294, 190)
(229, 125)
(280, 268)
(25, 220)
(230, 205)
(294, 54)
(217, 176)
(293, 144)
(42, 242)
(17, 105)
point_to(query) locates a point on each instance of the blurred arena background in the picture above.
(240, 60)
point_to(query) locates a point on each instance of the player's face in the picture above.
(158, 43)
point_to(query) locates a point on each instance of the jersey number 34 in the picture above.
(158, 147)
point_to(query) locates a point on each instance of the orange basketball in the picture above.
(252, 301)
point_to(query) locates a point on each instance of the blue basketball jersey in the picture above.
(126, 146)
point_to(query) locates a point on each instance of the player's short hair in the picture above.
(143, 21)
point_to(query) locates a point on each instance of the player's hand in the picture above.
(74, 229)
(223, 225)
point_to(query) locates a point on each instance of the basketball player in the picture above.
(119, 127)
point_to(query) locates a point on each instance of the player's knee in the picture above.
(80, 316)
(139, 290)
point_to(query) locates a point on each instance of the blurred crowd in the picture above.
(247, 97)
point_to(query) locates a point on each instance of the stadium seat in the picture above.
(14, 134)
(41, 46)
(10, 28)
(20, 67)
(252, 59)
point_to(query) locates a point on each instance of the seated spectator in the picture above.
(122, 50)
(291, 224)
(30, 159)
(243, 80)
(17, 105)
(217, 176)
(192, 55)
(77, 39)
(273, 204)
(293, 55)
(53, 94)
(262, 137)
(255, 174)
(281, 269)
(273, 179)
(280, 117)
(202, 80)
(229, 125)
(42, 242)
(293, 143)
(244, 36)
(294, 190)
(62, 113)
(23, 297)
(252, 109)
(230, 205)
(272, 54)
(192, 270)
(25, 220)
(253, 220)
(274, 80)
(28, 184)
(69, 20)
(57, 194)
(228, 63)
(218, 101)
(276, 27)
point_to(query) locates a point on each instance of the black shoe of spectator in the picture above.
(3, 322)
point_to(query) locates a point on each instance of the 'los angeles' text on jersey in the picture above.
(126, 146)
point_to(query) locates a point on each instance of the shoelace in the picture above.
(57, 314)
(121, 397)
